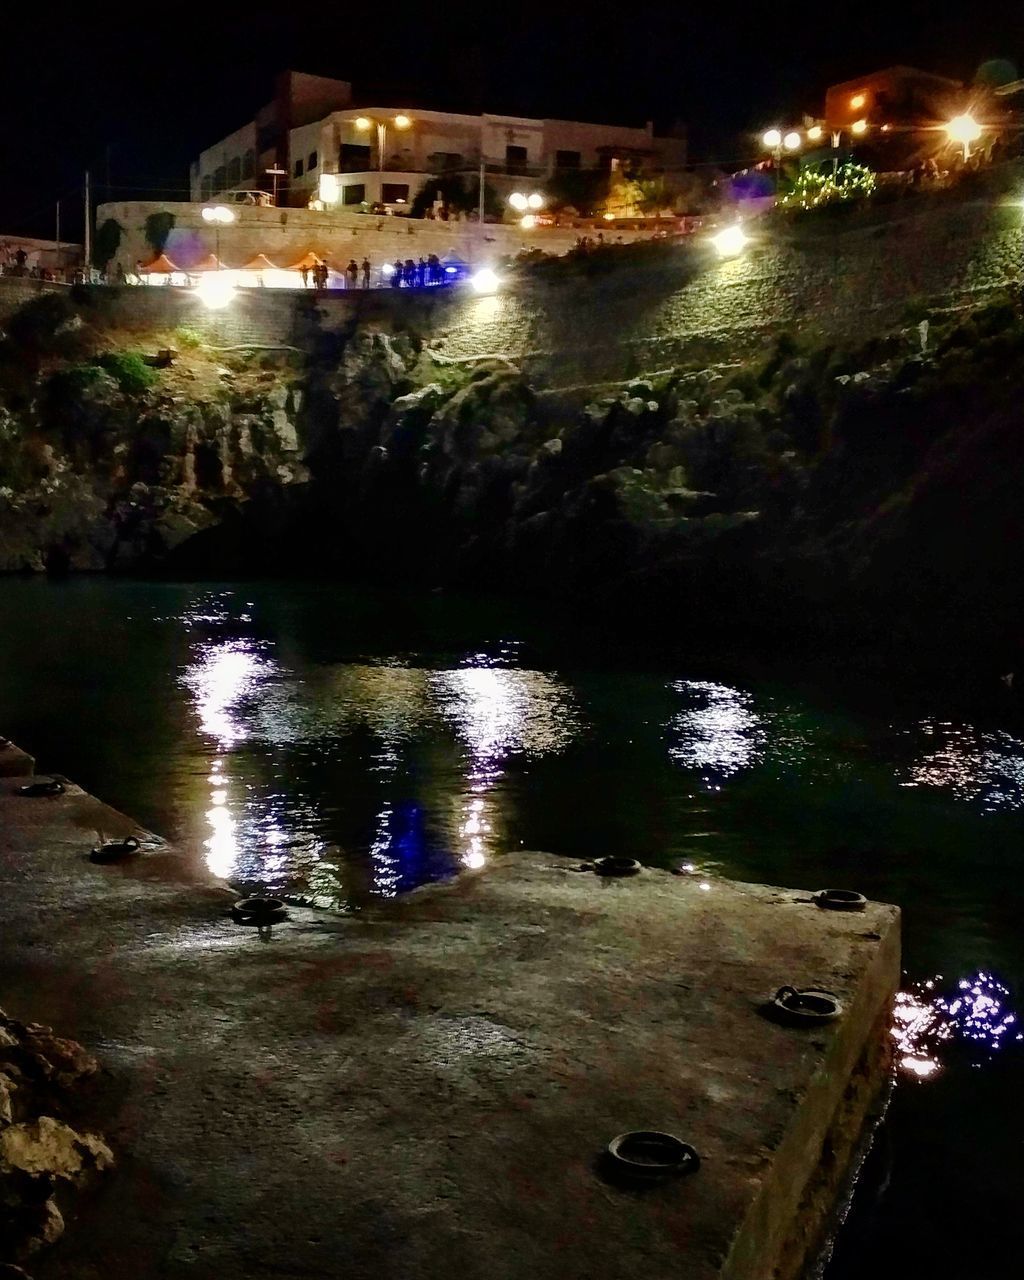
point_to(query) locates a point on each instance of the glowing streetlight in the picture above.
(484, 281)
(364, 124)
(859, 127)
(535, 200)
(814, 133)
(964, 129)
(528, 222)
(730, 242)
(519, 202)
(857, 101)
(772, 139)
(220, 216)
(792, 141)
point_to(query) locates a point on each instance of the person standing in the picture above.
(396, 274)
(304, 272)
(421, 273)
(366, 273)
(351, 274)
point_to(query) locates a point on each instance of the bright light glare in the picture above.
(857, 101)
(218, 213)
(814, 133)
(527, 221)
(772, 139)
(484, 281)
(388, 269)
(363, 122)
(402, 122)
(215, 289)
(535, 201)
(791, 141)
(518, 201)
(730, 242)
(859, 126)
(964, 129)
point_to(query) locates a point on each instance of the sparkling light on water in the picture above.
(719, 731)
(975, 765)
(923, 1021)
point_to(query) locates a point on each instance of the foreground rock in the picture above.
(44, 1162)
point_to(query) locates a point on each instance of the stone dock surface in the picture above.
(422, 1090)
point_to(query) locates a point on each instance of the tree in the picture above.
(107, 243)
(457, 195)
(158, 227)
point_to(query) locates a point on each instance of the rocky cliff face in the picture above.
(111, 459)
(824, 491)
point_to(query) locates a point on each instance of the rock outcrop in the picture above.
(44, 1162)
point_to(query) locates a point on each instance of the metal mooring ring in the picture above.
(804, 1006)
(646, 1153)
(42, 787)
(616, 865)
(115, 850)
(840, 900)
(258, 910)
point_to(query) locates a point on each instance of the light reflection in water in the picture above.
(718, 731)
(222, 678)
(976, 765)
(499, 712)
(923, 1021)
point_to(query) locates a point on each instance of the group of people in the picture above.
(416, 275)
(319, 272)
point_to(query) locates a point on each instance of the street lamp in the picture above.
(364, 123)
(220, 216)
(521, 202)
(774, 141)
(964, 129)
(276, 173)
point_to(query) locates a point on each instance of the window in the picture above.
(220, 178)
(312, 161)
(515, 159)
(567, 159)
(354, 194)
(235, 171)
(394, 192)
(298, 167)
(249, 164)
(353, 158)
(206, 190)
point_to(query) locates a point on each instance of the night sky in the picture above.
(135, 92)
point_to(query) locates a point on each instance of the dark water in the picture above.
(336, 745)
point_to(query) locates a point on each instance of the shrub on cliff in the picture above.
(129, 371)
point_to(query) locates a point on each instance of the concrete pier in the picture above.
(422, 1090)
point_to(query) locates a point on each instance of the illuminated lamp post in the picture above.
(527, 205)
(964, 129)
(365, 124)
(776, 141)
(220, 216)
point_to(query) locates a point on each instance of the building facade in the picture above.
(351, 156)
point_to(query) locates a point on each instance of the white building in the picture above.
(352, 156)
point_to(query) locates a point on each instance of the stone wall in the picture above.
(594, 320)
(284, 235)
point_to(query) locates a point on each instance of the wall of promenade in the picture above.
(285, 235)
(644, 312)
